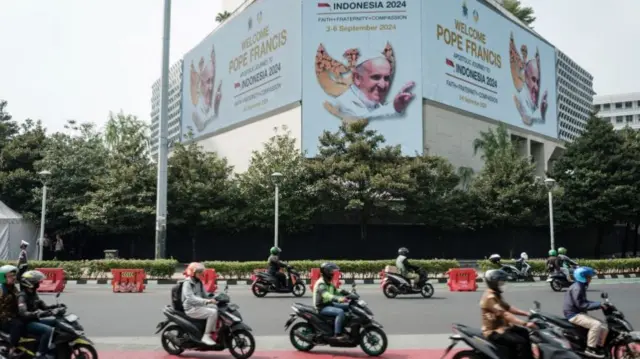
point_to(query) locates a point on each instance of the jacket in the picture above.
(274, 264)
(8, 302)
(193, 294)
(30, 306)
(325, 294)
(403, 265)
(575, 301)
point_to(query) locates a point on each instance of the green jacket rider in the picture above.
(9, 321)
(329, 300)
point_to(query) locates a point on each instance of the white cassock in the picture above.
(354, 103)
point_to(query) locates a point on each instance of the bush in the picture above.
(95, 269)
(355, 269)
(602, 266)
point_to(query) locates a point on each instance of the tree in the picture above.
(198, 191)
(523, 13)
(506, 188)
(280, 154)
(123, 197)
(466, 177)
(222, 16)
(8, 127)
(595, 178)
(74, 159)
(630, 153)
(355, 172)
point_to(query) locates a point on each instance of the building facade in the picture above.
(175, 103)
(621, 110)
(575, 97)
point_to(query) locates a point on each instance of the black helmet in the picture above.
(31, 279)
(403, 251)
(327, 270)
(493, 277)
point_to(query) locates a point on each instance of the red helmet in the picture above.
(193, 269)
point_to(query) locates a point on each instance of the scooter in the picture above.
(548, 342)
(180, 332)
(267, 283)
(317, 329)
(515, 274)
(68, 339)
(621, 342)
(394, 284)
(558, 280)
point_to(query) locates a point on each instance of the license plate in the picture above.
(71, 318)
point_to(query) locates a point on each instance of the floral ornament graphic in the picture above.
(526, 74)
(335, 77)
(201, 88)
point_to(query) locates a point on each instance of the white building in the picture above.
(621, 109)
(175, 103)
(575, 97)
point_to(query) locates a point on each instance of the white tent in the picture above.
(13, 230)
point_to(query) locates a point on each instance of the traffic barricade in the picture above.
(462, 280)
(315, 275)
(210, 280)
(55, 281)
(128, 280)
(254, 276)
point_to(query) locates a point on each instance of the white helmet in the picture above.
(495, 258)
(524, 256)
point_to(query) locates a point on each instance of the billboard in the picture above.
(477, 60)
(247, 67)
(361, 60)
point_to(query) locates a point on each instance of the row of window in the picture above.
(621, 119)
(618, 105)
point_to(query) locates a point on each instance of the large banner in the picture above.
(248, 67)
(477, 60)
(361, 60)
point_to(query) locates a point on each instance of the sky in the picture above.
(79, 59)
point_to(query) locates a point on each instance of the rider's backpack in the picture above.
(176, 296)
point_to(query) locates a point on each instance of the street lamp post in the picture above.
(551, 183)
(43, 212)
(276, 177)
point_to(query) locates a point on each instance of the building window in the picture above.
(619, 105)
(628, 104)
(619, 119)
(607, 106)
(597, 108)
(629, 118)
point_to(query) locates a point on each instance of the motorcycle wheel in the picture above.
(83, 351)
(365, 338)
(390, 291)
(247, 340)
(299, 343)
(556, 286)
(257, 291)
(299, 289)
(427, 290)
(167, 345)
(470, 354)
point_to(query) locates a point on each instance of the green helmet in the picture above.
(275, 251)
(562, 250)
(6, 269)
(553, 253)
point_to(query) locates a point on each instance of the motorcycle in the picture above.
(548, 342)
(394, 283)
(68, 339)
(180, 332)
(515, 274)
(558, 280)
(316, 329)
(267, 283)
(621, 341)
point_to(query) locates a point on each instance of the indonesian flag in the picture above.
(324, 4)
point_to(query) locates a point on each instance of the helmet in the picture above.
(31, 279)
(583, 274)
(327, 270)
(24, 244)
(275, 251)
(493, 277)
(495, 258)
(562, 250)
(7, 269)
(524, 256)
(193, 269)
(553, 253)
(403, 251)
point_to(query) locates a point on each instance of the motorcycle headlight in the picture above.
(362, 303)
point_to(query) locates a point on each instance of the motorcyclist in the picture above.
(522, 261)
(35, 313)
(9, 321)
(407, 269)
(196, 303)
(329, 300)
(552, 261)
(496, 260)
(275, 264)
(499, 322)
(575, 309)
(564, 263)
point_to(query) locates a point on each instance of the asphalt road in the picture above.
(107, 314)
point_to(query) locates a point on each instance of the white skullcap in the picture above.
(368, 54)
(24, 243)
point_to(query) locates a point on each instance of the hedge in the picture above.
(602, 266)
(163, 269)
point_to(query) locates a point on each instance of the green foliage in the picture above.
(523, 13)
(602, 266)
(96, 269)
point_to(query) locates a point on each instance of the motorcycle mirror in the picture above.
(537, 304)
(604, 295)
(58, 295)
(226, 288)
(353, 287)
